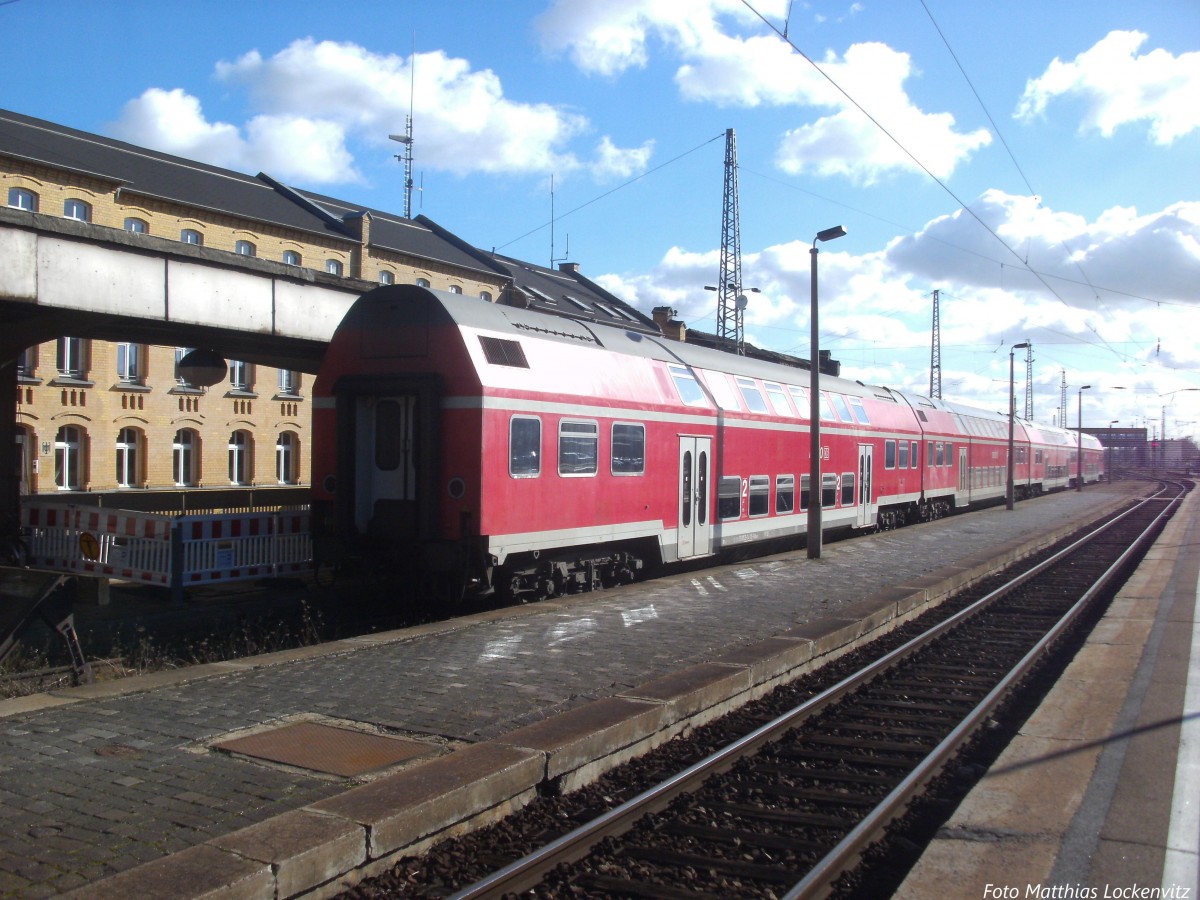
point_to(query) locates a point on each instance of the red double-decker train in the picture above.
(495, 447)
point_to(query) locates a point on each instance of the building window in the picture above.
(191, 236)
(19, 198)
(485, 296)
(241, 375)
(287, 458)
(129, 363)
(387, 277)
(289, 382)
(180, 353)
(68, 458)
(333, 266)
(423, 282)
(70, 357)
(245, 248)
(78, 210)
(455, 289)
(137, 226)
(27, 362)
(291, 258)
(241, 447)
(127, 457)
(183, 457)
(25, 450)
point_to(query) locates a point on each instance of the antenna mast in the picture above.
(1029, 381)
(1062, 403)
(935, 354)
(731, 303)
(407, 138)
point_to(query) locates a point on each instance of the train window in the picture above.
(902, 460)
(859, 411)
(804, 489)
(524, 447)
(829, 490)
(827, 413)
(800, 398)
(914, 455)
(628, 449)
(760, 495)
(578, 447)
(843, 411)
(889, 454)
(929, 453)
(785, 493)
(729, 497)
(949, 454)
(689, 389)
(389, 435)
(778, 399)
(848, 489)
(941, 453)
(1037, 457)
(752, 395)
(722, 390)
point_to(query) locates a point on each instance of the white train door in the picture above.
(385, 465)
(695, 525)
(866, 488)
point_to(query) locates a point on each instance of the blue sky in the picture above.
(1042, 169)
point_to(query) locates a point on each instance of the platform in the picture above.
(279, 774)
(1099, 795)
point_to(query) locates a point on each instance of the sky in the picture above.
(1037, 164)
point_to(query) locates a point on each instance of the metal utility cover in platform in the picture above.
(326, 748)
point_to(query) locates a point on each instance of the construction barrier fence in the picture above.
(172, 551)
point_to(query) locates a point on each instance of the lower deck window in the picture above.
(524, 447)
(785, 494)
(829, 490)
(848, 489)
(578, 447)
(729, 497)
(760, 495)
(805, 487)
(628, 449)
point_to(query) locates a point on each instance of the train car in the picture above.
(492, 447)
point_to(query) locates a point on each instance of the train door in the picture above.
(695, 526)
(385, 466)
(964, 475)
(866, 488)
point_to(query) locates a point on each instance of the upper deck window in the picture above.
(752, 395)
(843, 410)
(689, 389)
(778, 398)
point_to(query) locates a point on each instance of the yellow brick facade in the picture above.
(96, 430)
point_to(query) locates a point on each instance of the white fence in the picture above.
(173, 551)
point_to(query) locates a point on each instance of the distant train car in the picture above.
(494, 447)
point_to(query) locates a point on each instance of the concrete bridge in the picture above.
(63, 277)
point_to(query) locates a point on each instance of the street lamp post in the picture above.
(1079, 436)
(1011, 491)
(813, 536)
(1109, 467)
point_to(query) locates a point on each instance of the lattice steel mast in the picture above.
(1029, 382)
(730, 301)
(935, 355)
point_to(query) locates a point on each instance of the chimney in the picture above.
(664, 318)
(569, 267)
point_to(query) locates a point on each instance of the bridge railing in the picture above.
(171, 551)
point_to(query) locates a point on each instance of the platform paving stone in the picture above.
(451, 684)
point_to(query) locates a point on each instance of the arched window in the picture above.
(128, 441)
(241, 450)
(245, 248)
(68, 458)
(77, 209)
(291, 258)
(333, 266)
(191, 236)
(423, 282)
(486, 296)
(386, 277)
(20, 198)
(184, 456)
(137, 226)
(287, 458)
(455, 289)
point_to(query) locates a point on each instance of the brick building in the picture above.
(100, 415)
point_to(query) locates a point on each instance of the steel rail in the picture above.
(529, 871)
(820, 879)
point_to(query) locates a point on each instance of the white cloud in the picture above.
(722, 67)
(315, 98)
(1119, 87)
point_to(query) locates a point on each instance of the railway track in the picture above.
(792, 806)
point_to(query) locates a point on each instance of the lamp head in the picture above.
(829, 234)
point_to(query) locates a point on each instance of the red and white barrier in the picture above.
(176, 551)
